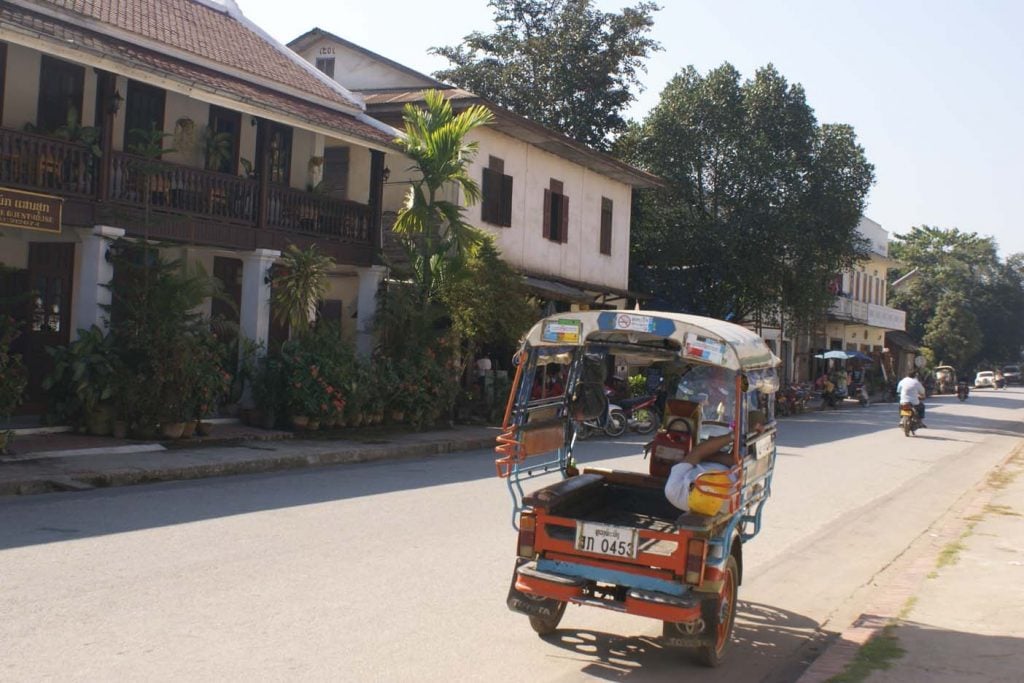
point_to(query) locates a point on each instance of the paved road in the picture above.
(398, 571)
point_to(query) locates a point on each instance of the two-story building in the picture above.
(249, 129)
(558, 210)
(859, 318)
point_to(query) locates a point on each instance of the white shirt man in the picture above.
(912, 391)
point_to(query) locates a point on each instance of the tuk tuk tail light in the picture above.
(527, 534)
(696, 554)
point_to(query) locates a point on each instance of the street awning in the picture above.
(556, 290)
(902, 340)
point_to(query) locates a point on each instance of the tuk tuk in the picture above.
(611, 538)
(945, 379)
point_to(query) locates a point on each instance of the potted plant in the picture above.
(81, 382)
(13, 377)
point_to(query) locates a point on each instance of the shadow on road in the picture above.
(768, 644)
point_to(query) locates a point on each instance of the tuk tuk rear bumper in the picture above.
(532, 584)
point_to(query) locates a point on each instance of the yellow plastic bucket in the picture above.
(710, 491)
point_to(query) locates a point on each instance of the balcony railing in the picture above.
(45, 164)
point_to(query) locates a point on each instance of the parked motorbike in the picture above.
(638, 414)
(612, 421)
(910, 420)
(962, 390)
(860, 392)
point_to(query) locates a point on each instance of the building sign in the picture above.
(30, 211)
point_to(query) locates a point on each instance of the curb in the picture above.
(139, 474)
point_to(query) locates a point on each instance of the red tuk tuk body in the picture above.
(611, 538)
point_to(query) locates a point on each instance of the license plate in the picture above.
(604, 539)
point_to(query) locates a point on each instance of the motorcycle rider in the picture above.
(912, 391)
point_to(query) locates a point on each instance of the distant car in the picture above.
(1011, 373)
(985, 378)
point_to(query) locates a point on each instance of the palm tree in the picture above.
(435, 140)
(303, 280)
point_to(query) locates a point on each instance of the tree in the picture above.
(964, 301)
(560, 63)
(435, 230)
(761, 204)
(299, 284)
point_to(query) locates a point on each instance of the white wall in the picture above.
(356, 70)
(523, 244)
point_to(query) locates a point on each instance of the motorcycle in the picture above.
(612, 421)
(962, 391)
(910, 420)
(638, 414)
(860, 392)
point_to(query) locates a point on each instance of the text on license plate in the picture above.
(604, 539)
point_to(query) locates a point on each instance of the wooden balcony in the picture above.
(168, 201)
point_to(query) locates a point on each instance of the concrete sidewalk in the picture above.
(118, 464)
(954, 612)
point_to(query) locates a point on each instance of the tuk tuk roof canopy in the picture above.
(687, 337)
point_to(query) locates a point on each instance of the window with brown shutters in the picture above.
(606, 226)
(556, 213)
(496, 194)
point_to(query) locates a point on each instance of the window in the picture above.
(60, 91)
(222, 141)
(279, 151)
(556, 213)
(326, 64)
(496, 203)
(606, 226)
(144, 111)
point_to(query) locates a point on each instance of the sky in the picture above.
(933, 88)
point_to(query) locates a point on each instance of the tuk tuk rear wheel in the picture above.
(546, 625)
(719, 615)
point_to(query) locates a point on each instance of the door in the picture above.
(335, 180)
(47, 314)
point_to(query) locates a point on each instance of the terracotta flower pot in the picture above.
(189, 430)
(300, 422)
(313, 424)
(172, 430)
(204, 428)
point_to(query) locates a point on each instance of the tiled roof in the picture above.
(206, 32)
(386, 104)
(197, 77)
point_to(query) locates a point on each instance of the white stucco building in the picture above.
(559, 211)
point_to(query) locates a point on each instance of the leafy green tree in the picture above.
(487, 302)
(436, 232)
(953, 333)
(560, 63)
(761, 204)
(300, 283)
(962, 300)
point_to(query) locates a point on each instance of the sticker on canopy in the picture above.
(706, 349)
(634, 322)
(562, 331)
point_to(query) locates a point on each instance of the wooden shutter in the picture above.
(606, 226)
(488, 191)
(505, 206)
(547, 214)
(563, 228)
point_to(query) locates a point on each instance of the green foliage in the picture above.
(82, 378)
(319, 372)
(561, 63)
(74, 131)
(963, 300)
(486, 302)
(637, 385)
(435, 233)
(762, 202)
(171, 367)
(13, 376)
(300, 281)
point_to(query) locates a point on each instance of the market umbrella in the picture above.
(833, 355)
(859, 355)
